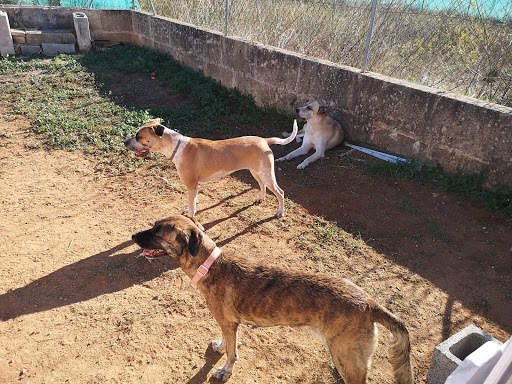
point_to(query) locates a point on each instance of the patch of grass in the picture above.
(437, 232)
(215, 110)
(307, 180)
(405, 205)
(71, 108)
(468, 185)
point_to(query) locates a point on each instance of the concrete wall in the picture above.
(395, 116)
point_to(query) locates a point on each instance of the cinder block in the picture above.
(449, 354)
(6, 44)
(83, 34)
(52, 49)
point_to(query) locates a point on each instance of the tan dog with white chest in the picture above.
(238, 291)
(320, 133)
(199, 160)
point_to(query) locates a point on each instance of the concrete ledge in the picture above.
(449, 354)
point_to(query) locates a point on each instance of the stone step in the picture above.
(57, 36)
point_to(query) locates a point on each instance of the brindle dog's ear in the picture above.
(159, 130)
(194, 241)
(322, 109)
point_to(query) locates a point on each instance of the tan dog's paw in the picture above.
(218, 347)
(186, 212)
(222, 374)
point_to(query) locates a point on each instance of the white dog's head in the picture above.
(311, 109)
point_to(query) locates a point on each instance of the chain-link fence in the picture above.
(463, 46)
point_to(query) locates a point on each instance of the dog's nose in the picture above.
(297, 110)
(127, 142)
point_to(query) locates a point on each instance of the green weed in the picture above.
(405, 205)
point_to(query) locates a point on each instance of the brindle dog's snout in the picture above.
(143, 239)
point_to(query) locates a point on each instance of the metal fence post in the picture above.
(226, 21)
(152, 7)
(369, 37)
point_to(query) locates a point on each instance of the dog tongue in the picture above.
(152, 253)
(142, 153)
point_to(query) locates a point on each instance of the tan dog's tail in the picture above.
(400, 348)
(289, 139)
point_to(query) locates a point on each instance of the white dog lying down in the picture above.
(320, 133)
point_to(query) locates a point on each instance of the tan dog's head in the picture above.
(147, 139)
(312, 109)
(171, 236)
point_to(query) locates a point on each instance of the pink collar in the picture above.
(203, 269)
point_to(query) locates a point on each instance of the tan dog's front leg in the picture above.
(229, 344)
(192, 200)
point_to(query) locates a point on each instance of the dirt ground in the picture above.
(79, 305)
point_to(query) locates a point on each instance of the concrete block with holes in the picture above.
(449, 354)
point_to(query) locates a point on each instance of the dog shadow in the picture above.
(211, 358)
(220, 202)
(105, 272)
(249, 228)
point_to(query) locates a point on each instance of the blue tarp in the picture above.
(96, 4)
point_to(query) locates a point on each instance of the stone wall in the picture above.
(391, 115)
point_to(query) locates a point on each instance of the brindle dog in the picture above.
(238, 291)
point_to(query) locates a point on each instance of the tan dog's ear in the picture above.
(152, 122)
(159, 130)
(322, 109)
(193, 237)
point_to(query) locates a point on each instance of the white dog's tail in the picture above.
(400, 348)
(289, 139)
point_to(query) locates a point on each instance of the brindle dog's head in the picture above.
(311, 109)
(171, 236)
(147, 139)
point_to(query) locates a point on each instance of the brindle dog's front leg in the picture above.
(229, 344)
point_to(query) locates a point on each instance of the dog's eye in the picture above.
(309, 107)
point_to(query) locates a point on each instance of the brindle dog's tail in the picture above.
(400, 348)
(289, 139)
